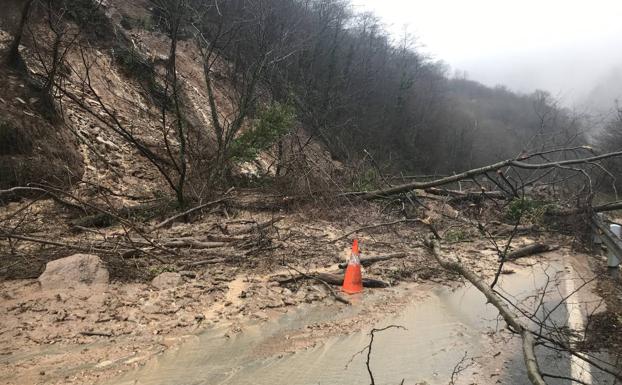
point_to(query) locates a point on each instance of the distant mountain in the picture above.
(602, 97)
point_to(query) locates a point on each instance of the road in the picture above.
(445, 330)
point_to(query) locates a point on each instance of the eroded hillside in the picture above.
(188, 155)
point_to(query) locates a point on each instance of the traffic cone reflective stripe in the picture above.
(353, 280)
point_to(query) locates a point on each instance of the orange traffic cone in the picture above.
(353, 280)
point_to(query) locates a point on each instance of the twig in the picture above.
(572, 380)
(368, 347)
(97, 334)
(364, 228)
(460, 368)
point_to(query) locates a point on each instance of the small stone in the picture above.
(289, 302)
(79, 314)
(167, 280)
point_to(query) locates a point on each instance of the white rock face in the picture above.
(74, 271)
(167, 280)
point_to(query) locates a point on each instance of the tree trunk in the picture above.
(13, 57)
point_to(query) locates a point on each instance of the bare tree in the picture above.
(13, 56)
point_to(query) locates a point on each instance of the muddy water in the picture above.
(439, 330)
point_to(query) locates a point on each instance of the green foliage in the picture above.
(272, 123)
(456, 235)
(366, 180)
(157, 270)
(527, 209)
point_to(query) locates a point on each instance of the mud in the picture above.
(444, 328)
(42, 340)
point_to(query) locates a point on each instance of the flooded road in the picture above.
(445, 328)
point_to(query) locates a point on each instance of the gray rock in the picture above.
(75, 270)
(167, 280)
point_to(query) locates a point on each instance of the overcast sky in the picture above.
(564, 46)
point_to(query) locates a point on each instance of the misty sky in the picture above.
(566, 47)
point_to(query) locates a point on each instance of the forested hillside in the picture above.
(207, 174)
(256, 69)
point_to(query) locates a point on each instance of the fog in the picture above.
(569, 48)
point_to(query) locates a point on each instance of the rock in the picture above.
(72, 271)
(289, 302)
(150, 307)
(167, 280)
(79, 314)
(272, 303)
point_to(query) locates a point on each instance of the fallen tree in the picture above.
(517, 163)
(371, 260)
(457, 196)
(332, 279)
(533, 370)
(528, 250)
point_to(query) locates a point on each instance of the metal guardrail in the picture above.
(610, 240)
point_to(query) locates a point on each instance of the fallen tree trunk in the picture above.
(371, 260)
(332, 279)
(470, 196)
(210, 261)
(314, 277)
(610, 206)
(518, 163)
(193, 244)
(533, 370)
(532, 249)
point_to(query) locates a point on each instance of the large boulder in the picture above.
(74, 271)
(167, 280)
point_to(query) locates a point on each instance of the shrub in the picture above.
(365, 180)
(456, 235)
(526, 208)
(272, 123)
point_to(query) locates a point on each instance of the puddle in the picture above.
(440, 329)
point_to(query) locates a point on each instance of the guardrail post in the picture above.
(610, 238)
(613, 260)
